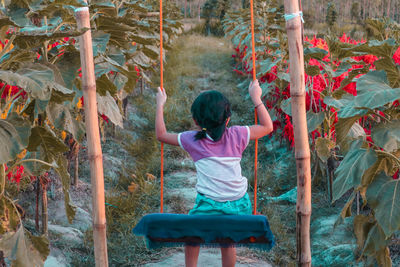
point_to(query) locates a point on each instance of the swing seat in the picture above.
(172, 230)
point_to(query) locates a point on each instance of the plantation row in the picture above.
(352, 104)
(41, 95)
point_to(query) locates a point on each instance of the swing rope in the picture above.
(162, 88)
(255, 109)
(253, 56)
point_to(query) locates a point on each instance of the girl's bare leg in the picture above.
(228, 257)
(191, 255)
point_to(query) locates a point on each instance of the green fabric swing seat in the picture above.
(172, 230)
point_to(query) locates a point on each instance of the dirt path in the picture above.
(208, 66)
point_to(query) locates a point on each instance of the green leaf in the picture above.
(70, 209)
(100, 41)
(104, 85)
(387, 135)
(18, 248)
(323, 147)
(266, 88)
(286, 106)
(60, 116)
(69, 64)
(388, 65)
(375, 241)
(384, 196)
(344, 66)
(312, 70)
(343, 127)
(314, 52)
(346, 211)
(51, 145)
(35, 40)
(362, 225)
(266, 65)
(108, 106)
(33, 81)
(383, 257)
(373, 90)
(314, 120)
(14, 134)
(346, 106)
(349, 173)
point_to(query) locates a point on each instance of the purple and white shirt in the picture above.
(219, 174)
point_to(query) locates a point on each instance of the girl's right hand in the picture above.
(255, 92)
(161, 97)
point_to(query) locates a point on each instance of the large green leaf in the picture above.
(314, 52)
(45, 138)
(35, 40)
(314, 120)
(62, 171)
(362, 226)
(387, 135)
(375, 241)
(107, 105)
(323, 147)
(383, 195)
(14, 134)
(388, 65)
(20, 249)
(286, 106)
(60, 116)
(266, 65)
(377, 48)
(346, 106)
(99, 41)
(373, 90)
(104, 85)
(343, 127)
(349, 173)
(69, 64)
(32, 81)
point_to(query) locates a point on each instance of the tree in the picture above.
(331, 15)
(355, 11)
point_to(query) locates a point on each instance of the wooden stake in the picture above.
(93, 138)
(44, 181)
(302, 149)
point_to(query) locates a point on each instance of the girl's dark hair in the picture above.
(210, 110)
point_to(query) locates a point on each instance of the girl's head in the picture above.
(211, 110)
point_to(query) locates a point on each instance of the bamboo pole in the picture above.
(302, 149)
(93, 138)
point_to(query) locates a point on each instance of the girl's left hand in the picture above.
(161, 97)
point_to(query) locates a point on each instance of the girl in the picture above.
(216, 151)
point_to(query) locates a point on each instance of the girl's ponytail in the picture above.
(211, 110)
(201, 134)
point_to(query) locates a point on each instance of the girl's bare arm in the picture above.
(265, 127)
(161, 131)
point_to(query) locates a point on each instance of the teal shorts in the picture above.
(207, 206)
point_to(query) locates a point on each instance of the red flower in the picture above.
(396, 56)
(137, 71)
(288, 131)
(396, 175)
(351, 88)
(105, 118)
